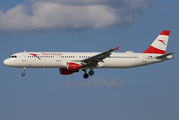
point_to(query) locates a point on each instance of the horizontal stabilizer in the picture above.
(164, 56)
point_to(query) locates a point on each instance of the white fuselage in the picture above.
(59, 59)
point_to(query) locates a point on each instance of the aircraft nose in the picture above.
(6, 62)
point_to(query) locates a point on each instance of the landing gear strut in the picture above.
(23, 74)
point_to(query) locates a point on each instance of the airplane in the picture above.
(71, 62)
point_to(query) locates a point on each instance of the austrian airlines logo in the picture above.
(162, 41)
(35, 55)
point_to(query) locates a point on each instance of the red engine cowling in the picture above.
(65, 71)
(73, 66)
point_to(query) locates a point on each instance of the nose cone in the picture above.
(6, 62)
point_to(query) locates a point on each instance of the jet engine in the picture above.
(73, 66)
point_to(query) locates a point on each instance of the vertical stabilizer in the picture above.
(160, 43)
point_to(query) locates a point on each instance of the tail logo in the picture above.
(162, 41)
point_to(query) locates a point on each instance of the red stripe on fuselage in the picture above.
(154, 50)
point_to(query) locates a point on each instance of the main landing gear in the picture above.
(91, 72)
(23, 74)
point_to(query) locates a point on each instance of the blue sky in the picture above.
(149, 92)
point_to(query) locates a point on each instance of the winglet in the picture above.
(117, 48)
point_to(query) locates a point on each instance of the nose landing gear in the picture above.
(23, 74)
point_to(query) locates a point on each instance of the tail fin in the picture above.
(160, 43)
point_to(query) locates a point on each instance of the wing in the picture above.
(92, 62)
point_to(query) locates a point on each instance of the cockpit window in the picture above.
(13, 56)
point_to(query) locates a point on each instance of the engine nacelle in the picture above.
(65, 71)
(73, 66)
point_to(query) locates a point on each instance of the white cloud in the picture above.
(61, 14)
(96, 82)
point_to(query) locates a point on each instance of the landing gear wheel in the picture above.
(85, 75)
(23, 74)
(91, 72)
